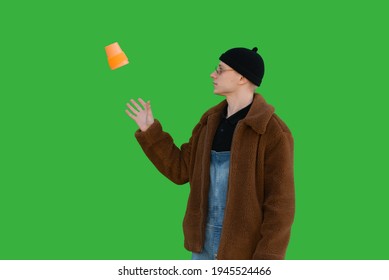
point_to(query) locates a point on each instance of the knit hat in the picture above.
(246, 62)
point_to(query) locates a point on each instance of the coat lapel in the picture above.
(257, 118)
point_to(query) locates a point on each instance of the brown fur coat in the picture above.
(260, 202)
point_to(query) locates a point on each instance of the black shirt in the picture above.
(223, 137)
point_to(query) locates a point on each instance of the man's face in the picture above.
(225, 79)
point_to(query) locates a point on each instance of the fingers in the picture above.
(129, 114)
(136, 105)
(136, 113)
(132, 109)
(142, 102)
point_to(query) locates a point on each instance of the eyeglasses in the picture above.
(220, 71)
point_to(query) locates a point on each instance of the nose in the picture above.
(213, 75)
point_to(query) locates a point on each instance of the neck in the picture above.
(238, 101)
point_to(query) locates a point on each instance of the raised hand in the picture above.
(142, 116)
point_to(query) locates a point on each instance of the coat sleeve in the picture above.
(171, 161)
(279, 198)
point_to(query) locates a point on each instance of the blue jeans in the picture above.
(219, 171)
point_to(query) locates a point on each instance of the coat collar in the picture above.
(237, 116)
(257, 117)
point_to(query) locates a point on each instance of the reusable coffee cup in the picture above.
(116, 57)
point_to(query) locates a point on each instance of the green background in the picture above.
(75, 184)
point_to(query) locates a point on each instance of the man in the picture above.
(239, 163)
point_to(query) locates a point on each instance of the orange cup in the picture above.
(116, 57)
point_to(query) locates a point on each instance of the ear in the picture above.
(243, 80)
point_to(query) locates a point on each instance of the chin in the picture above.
(219, 93)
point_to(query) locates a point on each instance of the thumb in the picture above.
(149, 112)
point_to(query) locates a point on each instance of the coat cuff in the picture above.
(150, 135)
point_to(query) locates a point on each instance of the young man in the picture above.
(239, 163)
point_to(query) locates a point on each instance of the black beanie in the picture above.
(246, 62)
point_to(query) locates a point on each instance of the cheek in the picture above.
(230, 82)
